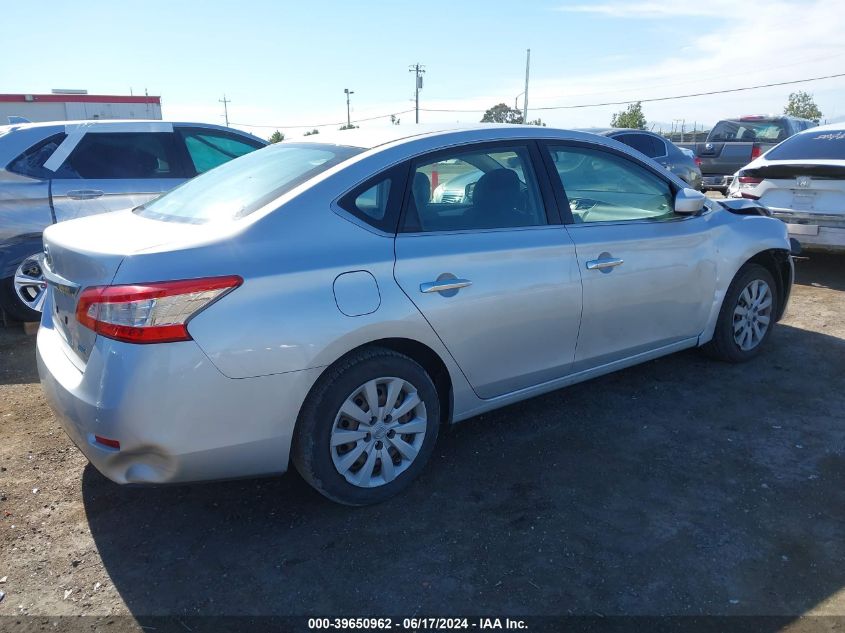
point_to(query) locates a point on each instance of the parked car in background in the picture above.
(311, 302)
(733, 143)
(802, 182)
(659, 149)
(52, 172)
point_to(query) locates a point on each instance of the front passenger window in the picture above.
(605, 187)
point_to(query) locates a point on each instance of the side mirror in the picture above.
(689, 201)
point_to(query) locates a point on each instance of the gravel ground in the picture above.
(682, 486)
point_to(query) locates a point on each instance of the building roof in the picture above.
(77, 98)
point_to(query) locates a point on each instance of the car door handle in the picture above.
(444, 284)
(605, 263)
(84, 194)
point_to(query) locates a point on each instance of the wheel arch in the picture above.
(14, 251)
(777, 262)
(420, 353)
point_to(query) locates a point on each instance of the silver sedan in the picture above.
(312, 302)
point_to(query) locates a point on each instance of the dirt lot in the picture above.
(683, 486)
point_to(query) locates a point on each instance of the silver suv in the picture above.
(51, 172)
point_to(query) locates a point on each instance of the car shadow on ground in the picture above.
(16, 350)
(822, 270)
(682, 486)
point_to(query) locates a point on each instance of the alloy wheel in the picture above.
(30, 285)
(752, 315)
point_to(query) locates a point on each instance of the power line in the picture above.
(564, 107)
(697, 80)
(627, 101)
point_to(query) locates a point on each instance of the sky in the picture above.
(285, 65)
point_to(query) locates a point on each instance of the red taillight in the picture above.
(745, 182)
(756, 151)
(697, 162)
(156, 312)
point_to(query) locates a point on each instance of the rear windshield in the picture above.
(245, 184)
(808, 145)
(750, 131)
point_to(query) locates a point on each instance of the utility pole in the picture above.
(418, 70)
(225, 103)
(348, 119)
(525, 99)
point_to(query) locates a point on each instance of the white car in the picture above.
(802, 182)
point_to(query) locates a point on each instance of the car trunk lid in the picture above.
(88, 252)
(806, 188)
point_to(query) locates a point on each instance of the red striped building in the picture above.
(73, 105)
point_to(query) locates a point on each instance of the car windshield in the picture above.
(760, 131)
(244, 185)
(817, 144)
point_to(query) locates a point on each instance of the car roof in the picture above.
(828, 127)
(371, 138)
(607, 131)
(58, 126)
(764, 118)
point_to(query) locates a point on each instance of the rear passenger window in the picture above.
(124, 155)
(605, 187)
(31, 162)
(484, 189)
(373, 201)
(209, 149)
(377, 201)
(644, 143)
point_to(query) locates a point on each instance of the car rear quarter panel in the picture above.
(285, 317)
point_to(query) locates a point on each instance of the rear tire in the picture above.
(349, 442)
(13, 304)
(747, 316)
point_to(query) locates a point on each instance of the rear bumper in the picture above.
(709, 181)
(815, 232)
(177, 418)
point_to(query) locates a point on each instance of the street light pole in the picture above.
(348, 117)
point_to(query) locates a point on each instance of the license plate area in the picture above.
(64, 312)
(78, 338)
(803, 200)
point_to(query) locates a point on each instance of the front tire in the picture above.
(747, 316)
(367, 428)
